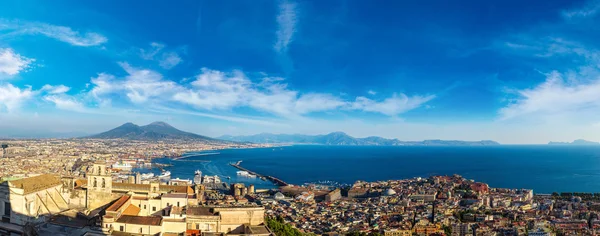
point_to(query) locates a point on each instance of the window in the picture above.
(144, 206)
(103, 183)
(99, 170)
(6, 209)
(121, 228)
(197, 226)
(95, 182)
(153, 208)
(177, 204)
(141, 231)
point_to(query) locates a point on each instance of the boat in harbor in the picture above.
(122, 166)
(147, 176)
(245, 174)
(164, 175)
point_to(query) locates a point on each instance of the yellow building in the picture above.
(31, 199)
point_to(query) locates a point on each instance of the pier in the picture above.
(276, 181)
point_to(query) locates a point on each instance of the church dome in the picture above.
(389, 192)
(279, 196)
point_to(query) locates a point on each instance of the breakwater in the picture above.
(275, 180)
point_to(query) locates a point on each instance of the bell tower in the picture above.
(99, 178)
(99, 185)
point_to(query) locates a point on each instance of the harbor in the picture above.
(275, 180)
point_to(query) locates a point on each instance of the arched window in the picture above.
(99, 170)
(141, 231)
(153, 189)
(95, 182)
(103, 183)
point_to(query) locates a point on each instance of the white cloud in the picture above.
(61, 33)
(169, 60)
(65, 102)
(12, 63)
(371, 92)
(139, 85)
(590, 9)
(395, 105)
(148, 54)
(286, 25)
(556, 96)
(166, 59)
(55, 89)
(218, 90)
(214, 90)
(12, 97)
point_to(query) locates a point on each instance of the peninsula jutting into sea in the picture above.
(156, 179)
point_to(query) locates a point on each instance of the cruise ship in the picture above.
(122, 166)
(164, 175)
(147, 176)
(245, 174)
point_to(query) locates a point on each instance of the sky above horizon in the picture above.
(511, 71)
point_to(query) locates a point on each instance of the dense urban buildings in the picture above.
(86, 187)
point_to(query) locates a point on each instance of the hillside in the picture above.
(341, 138)
(153, 131)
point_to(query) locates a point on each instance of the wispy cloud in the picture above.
(590, 9)
(393, 106)
(169, 60)
(245, 120)
(61, 33)
(156, 52)
(371, 92)
(286, 25)
(65, 102)
(55, 89)
(560, 94)
(12, 63)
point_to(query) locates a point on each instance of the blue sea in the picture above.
(543, 168)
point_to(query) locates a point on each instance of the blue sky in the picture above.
(511, 71)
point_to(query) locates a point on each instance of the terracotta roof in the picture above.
(140, 220)
(37, 183)
(132, 210)
(118, 204)
(80, 182)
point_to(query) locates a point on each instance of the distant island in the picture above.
(576, 142)
(153, 131)
(341, 138)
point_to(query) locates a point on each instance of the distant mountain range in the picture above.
(576, 142)
(153, 131)
(340, 138)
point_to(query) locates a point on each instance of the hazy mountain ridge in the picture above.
(152, 131)
(575, 142)
(340, 138)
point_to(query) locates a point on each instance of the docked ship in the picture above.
(165, 175)
(198, 177)
(245, 174)
(147, 176)
(122, 166)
